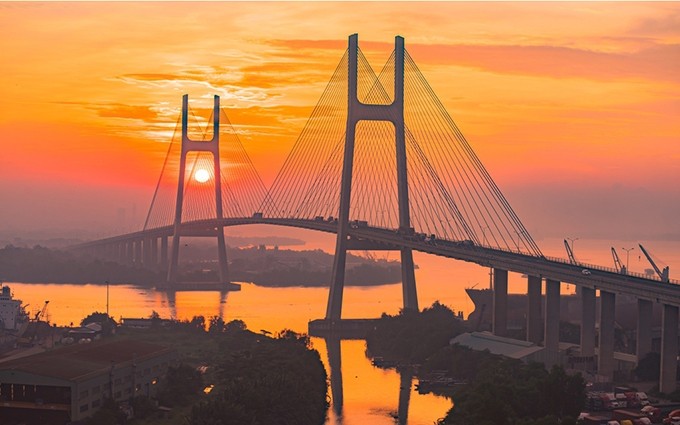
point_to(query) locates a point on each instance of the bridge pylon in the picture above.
(358, 111)
(211, 146)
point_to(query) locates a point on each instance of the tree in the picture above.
(236, 325)
(180, 383)
(216, 325)
(106, 321)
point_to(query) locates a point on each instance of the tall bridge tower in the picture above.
(356, 112)
(212, 146)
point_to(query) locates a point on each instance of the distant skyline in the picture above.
(572, 106)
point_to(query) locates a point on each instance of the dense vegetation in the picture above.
(503, 391)
(269, 267)
(255, 379)
(500, 391)
(412, 337)
(266, 381)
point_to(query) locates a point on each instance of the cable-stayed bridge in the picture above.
(381, 164)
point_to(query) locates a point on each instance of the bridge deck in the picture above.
(552, 268)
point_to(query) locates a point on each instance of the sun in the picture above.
(201, 175)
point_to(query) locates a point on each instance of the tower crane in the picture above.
(617, 263)
(663, 274)
(570, 253)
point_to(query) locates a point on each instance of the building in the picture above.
(70, 383)
(513, 348)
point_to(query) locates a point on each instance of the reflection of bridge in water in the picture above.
(333, 347)
(381, 164)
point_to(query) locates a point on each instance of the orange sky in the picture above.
(572, 107)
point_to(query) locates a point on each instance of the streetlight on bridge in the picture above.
(572, 240)
(628, 250)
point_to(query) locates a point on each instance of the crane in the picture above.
(663, 274)
(617, 263)
(570, 253)
(41, 313)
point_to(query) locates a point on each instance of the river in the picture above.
(369, 394)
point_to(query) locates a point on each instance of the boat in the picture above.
(12, 313)
(570, 309)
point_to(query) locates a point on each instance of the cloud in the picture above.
(144, 113)
(668, 24)
(651, 61)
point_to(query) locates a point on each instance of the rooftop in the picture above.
(77, 362)
(507, 347)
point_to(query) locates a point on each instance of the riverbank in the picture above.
(259, 265)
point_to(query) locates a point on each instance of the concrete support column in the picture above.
(500, 302)
(644, 328)
(534, 323)
(120, 251)
(146, 252)
(669, 349)
(130, 252)
(551, 341)
(605, 359)
(154, 252)
(137, 255)
(164, 253)
(587, 321)
(408, 281)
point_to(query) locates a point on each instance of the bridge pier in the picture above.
(534, 322)
(120, 252)
(499, 324)
(644, 329)
(164, 252)
(154, 252)
(605, 358)
(669, 349)
(146, 256)
(587, 321)
(408, 280)
(551, 341)
(129, 252)
(137, 255)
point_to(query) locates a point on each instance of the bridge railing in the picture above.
(610, 270)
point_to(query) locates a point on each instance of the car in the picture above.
(586, 272)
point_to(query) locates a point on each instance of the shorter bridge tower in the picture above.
(211, 146)
(358, 111)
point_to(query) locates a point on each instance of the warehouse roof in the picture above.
(507, 347)
(76, 362)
